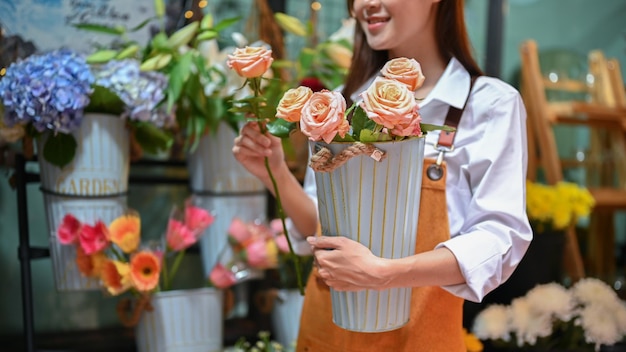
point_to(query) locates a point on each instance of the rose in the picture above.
(69, 230)
(290, 105)
(197, 219)
(179, 236)
(391, 104)
(261, 253)
(238, 232)
(95, 238)
(250, 62)
(323, 116)
(221, 277)
(405, 70)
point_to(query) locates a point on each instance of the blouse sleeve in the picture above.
(495, 232)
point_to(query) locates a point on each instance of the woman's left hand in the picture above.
(347, 265)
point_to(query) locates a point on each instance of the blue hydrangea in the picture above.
(48, 91)
(141, 91)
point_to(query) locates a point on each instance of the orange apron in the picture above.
(435, 324)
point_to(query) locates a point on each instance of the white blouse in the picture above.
(486, 173)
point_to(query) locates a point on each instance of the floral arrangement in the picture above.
(556, 207)
(255, 245)
(114, 252)
(50, 92)
(263, 344)
(197, 79)
(551, 317)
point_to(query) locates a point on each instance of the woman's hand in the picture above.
(347, 265)
(251, 147)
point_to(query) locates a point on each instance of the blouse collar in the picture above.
(452, 87)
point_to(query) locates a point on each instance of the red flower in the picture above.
(221, 277)
(69, 229)
(312, 82)
(197, 219)
(95, 238)
(179, 236)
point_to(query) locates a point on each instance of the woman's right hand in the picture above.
(251, 147)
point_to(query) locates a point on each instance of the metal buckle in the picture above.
(435, 171)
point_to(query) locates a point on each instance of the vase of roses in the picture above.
(142, 275)
(383, 141)
(81, 116)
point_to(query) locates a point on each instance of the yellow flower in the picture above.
(116, 276)
(125, 231)
(558, 206)
(472, 343)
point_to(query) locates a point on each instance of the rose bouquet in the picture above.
(114, 252)
(551, 317)
(51, 92)
(556, 207)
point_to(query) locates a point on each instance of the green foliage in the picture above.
(59, 149)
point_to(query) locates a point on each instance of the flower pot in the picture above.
(375, 203)
(182, 321)
(224, 187)
(92, 187)
(213, 168)
(286, 317)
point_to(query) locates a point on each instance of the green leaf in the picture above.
(159, 42)
(207, 35)
(368, 136)
(128, 52)
(346, 138)
(426, 127)
(60, 149)
(206, 22)
(360, 121)
(142, 24)
(105, 101)
(156, 62)
(183, 36)
(178, 76)
(101, 56)
(226, 23)
(92, 27)
(151, 139)
(290, 24)
(306, 58)
(281, 128)
(159, 8)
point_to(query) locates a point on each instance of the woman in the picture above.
(473, 231)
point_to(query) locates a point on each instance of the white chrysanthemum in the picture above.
(528, 324)
(619, 314)
(590, 290)
(551, 299)
(491, 323)
(599, 325)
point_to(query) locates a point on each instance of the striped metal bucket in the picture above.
(375, 203)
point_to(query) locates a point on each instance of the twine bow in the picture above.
(324, 160)
(129, 310)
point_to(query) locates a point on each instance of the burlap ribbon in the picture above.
(324, 160)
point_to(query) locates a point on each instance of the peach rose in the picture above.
(290, 105)
(323, 116)
(391, 104)
(407, 71)
(250, 62)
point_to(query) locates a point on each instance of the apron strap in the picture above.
(446, 138)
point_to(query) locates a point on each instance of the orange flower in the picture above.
(124, 232)
(145, 268)
(89, 265)
(115, 276)
(250, 62)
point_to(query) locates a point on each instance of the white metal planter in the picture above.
(286, 317)
(182, 321)
(377, 204)
(92, 187)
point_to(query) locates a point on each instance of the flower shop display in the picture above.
(164, 318)
(78, 113)
(588, 316)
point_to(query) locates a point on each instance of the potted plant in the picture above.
(144, 272)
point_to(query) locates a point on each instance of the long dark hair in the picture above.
(452, 41)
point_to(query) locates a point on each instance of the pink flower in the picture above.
(323, 116)
(69, 229)
(250, 62)
(179, 236)
(262, 254)
(277, 226)
(94, 239)
(197, 219)
(391, 104)
(282, 244)
(290, 105)
(221, 277)
(405, 70)
(238, 232)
